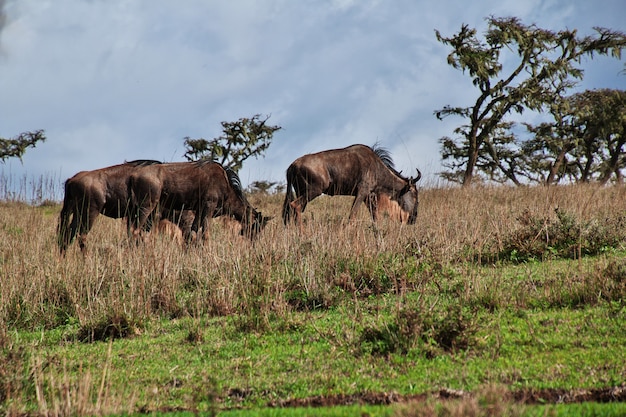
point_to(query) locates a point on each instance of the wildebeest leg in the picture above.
(68, 225)
(191, 234)
(83, 223)
(65, 233)
(298, 205)
(74, 226)
(184, 221)
(144, 211)
(356, 204)
(372, 205)
(201, 221)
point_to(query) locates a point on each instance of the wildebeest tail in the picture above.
(289, 197)
(64, 233)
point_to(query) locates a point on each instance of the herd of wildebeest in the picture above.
(188, 194)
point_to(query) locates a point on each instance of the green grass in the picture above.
(561, 410)
(321, 353)
(339, 314)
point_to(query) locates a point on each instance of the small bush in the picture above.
(452, 330)
(58, 305)
(19, 313)
(383, 340)
(579, 290)
(194, 336)
(302, 300)
(14, 375)
(563, 236)
(164, 303)
(432, 330)
(112, 326)
(615, 281)
(488, 401)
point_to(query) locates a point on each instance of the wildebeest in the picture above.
(384, 206)
(90, 193)
(367, 173)
(204, 187)
(175, 224)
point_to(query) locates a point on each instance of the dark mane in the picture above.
(142, 162)
(384, 156)
(235, 183)
(233, 178)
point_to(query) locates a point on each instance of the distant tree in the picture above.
(601, 114)
(543, 72)
(584, 143)
(16, 147)
(261, 187)
(501, 161)
(548, 152)
(240, 140)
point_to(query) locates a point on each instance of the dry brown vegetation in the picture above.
(284, 269)
(116, 288)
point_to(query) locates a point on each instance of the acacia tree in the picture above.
(16, 147)
(240, 140)
(548, 158)
(501, 161)
(584, 143)
(543, 71)
(603, 115)
(261, 187)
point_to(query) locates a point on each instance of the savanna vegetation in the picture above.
(520, 68)
(499, 301)
(17, 146)
(240, 140)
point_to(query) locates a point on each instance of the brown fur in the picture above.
(361, 171)
(384, 206)
(203, 187)
(91, 193)
(177, 225)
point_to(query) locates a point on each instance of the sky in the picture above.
(116, 80)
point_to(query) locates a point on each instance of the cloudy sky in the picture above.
(116, 80)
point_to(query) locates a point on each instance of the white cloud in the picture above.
(124, 79)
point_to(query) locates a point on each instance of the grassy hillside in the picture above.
(517, 289)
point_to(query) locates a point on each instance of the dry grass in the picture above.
(115, 288)
(282, 270)
(488, 401)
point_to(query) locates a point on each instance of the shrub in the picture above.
(112, 326)
(14, 375)
(562, 236)
(432, 331)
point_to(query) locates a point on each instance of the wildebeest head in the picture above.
(408, 198)
(255, 224)
(252, 221)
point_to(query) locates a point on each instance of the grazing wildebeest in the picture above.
(384, 206)
(90, 193)
(203, 187)
(358, 170)
(175, 224)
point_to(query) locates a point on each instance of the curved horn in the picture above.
(415, 180)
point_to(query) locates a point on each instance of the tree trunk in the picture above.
(472, 158)
(469, 169)
(613, 164)
(556, 166)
